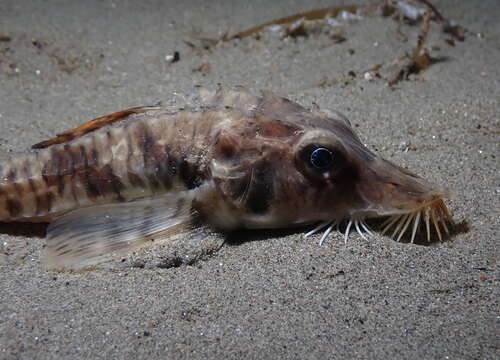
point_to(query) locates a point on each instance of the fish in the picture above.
(224, 159)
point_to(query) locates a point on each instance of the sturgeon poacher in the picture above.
(226, 159)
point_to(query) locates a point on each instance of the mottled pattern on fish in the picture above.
(156, 151)
(225, 158)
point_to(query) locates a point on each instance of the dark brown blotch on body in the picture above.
(31, 185)
(189, 174)
(12, 175)
(102, 182)
(12, 178)
(14, 207)
(172, 162)
(91, 176)
(151, 165)
(61, 164)
(74, 162)
(155, 160)
(135, 180)
(261, 188)
(112, 182)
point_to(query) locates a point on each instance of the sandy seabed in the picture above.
(263, 294)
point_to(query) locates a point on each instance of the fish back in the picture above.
(162, 150)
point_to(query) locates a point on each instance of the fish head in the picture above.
(312, 167)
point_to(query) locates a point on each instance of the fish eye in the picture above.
(321, 158)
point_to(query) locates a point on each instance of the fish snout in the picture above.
(391, 190)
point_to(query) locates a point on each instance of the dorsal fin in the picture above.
(92, 125)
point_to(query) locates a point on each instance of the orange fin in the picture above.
(92, 125)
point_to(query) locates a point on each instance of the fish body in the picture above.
(226, 159)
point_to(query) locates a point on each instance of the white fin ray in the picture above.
(358, 229)
(359, 225)
(347, 231)
(409, 218)
(443, 222)
(427, 225)
(415, 226)
(401, 222)
(436, 225)
(320, 226)
(389, 223)
(366, 228)
(326, 233)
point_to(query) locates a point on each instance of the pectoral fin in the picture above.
(90, 235)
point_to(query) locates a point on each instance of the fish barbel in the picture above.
(226, 159)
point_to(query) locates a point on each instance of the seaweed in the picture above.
(315, 14)
(419, 59)
(454, 30)
(296, 22)
(305, 23)
(297, 25)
